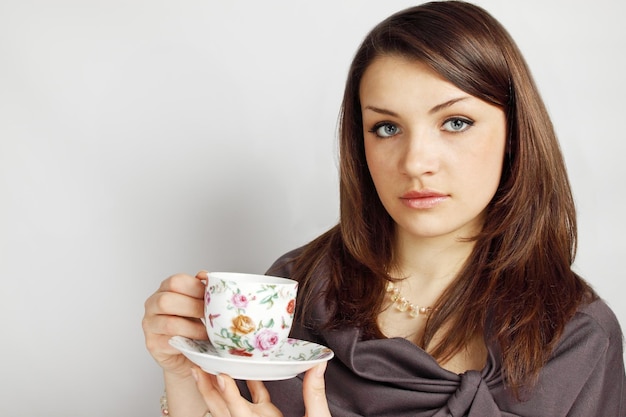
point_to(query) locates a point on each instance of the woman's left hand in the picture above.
(224, 400)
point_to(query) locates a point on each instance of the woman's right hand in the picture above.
(175, 309)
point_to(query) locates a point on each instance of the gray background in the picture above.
(143, 138)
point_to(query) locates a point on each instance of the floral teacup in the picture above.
(248, 315)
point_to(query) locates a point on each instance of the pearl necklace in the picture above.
(402, 304)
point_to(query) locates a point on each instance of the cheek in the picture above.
(485, 169)
(380, 168)
(379, 172)
(487, 175)
(372, 159)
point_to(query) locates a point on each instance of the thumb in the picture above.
(202, 275)
(314, 392)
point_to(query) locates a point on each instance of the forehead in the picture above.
(389, 76)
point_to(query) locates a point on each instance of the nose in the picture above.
(420, 154)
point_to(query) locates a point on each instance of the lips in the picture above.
(423, 199)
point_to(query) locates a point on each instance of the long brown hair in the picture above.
(517, 286)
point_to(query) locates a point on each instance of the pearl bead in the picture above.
(404, 305)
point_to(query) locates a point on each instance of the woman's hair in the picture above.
(517, 285)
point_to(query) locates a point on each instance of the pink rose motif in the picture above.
(207, 297)
(266, 339)
(239, 300)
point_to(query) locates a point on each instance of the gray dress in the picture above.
(393, 377)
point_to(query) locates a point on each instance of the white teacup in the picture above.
(248, 315)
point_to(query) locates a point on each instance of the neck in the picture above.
(429, 262)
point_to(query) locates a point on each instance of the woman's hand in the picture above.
(224, 400)
(174, 309)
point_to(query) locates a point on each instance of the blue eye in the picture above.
(385, 130)
(457, 124)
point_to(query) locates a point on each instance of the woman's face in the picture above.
(434, 152)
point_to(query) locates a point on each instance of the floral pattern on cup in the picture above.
(251, 332)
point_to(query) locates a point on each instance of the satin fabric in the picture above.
(394, 377)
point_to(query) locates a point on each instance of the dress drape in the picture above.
(393, 377)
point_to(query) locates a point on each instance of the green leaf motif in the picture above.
(269, 324)
(236, 342)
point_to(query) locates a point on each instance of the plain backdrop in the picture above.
(143, 138)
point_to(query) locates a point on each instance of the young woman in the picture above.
(446, 288)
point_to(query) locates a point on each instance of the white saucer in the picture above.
(295, 357)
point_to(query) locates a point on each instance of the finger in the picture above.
(314, 392)
(174, 304)
(237, 405)
(212, 397)
(174, 326)
(202, 275)
(183, 284)
(158, 345)
(259, 393)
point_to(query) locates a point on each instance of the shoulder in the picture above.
(598, 318)
(283, 266)
(308, 261)
(299, 263)
(593, 330)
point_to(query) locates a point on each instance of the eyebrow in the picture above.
(435, 109)
(448, 103)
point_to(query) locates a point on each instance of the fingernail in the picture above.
(220, 382)
(194, 373)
